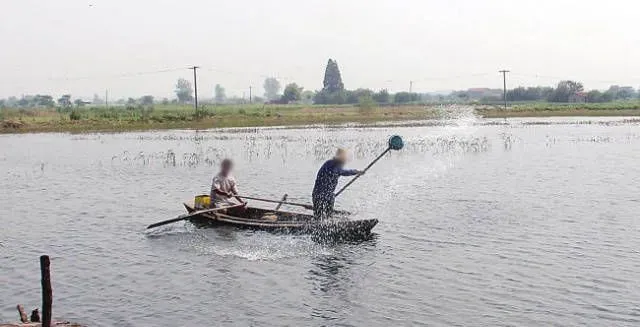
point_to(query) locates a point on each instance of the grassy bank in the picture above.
(545, 109)
(184, 117)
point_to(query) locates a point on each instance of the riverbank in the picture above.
(162, 117)
(545, 109)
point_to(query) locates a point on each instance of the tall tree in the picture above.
(271, 88)
(595, 96)
(146, 100)
(219, 94)
(307, 96)
(184, 91)
(402, 97)
(332, 78)
(382, 96)
(565, 90)
(97, 100)
(44, 100)
(24, 101)
(292, 92)
(625, 93)
(65, 101)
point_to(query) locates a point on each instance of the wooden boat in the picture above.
(285, 222)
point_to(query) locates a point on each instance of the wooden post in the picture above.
(23, 315)
(47, 292)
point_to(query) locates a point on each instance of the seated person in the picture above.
(224, 192)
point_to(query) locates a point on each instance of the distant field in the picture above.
(177, 116)
(89, 119)
(545, 109)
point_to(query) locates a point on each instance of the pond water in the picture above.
(531, 222)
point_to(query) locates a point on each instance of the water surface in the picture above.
(529, 223)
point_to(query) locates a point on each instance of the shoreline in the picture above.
(48, 121)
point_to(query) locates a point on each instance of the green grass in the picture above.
(210, 116)
(544, 109)
(88, 119)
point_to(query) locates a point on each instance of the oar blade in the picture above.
(166, 222)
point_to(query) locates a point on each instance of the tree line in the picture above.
(571, 91)
(333, 92)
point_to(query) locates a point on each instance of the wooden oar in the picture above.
(195, 213)
(306, 206)
(395, 143)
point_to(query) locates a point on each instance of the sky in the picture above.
(133, 47)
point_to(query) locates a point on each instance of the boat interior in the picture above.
(261, 214)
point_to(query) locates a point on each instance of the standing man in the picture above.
(326, 183)
(223, 187)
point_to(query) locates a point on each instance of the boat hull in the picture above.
(287, 222)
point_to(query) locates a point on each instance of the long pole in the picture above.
(250, 94)
(47, 293)
(364, 171)
(504, 82)
(307, 206)
(195, 88)
(106, 98)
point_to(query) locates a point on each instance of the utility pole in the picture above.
(195, 88)
(106, 98)
(410, 86)
(249, 94)
(504, 81)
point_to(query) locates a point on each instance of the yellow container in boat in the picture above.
(202, 201)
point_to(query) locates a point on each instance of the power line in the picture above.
(238, 73)
(444, 78)
(123, 75)
(559, 78)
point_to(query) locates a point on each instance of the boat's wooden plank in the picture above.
(307, 223)
(255, 222)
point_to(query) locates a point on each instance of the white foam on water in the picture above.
(255, 246)
(460, 119)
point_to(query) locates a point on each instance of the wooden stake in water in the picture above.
(47, 292)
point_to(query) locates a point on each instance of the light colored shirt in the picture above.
(225, 184)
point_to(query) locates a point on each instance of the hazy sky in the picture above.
(86, 46)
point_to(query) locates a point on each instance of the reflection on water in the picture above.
(334, 275)
(528, 222)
